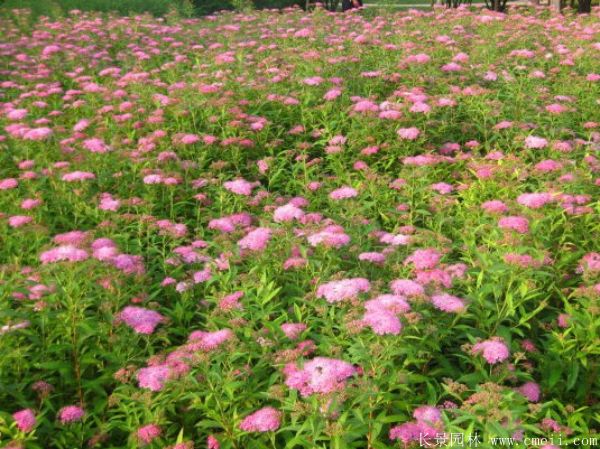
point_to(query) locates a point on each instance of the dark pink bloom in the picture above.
(266, 419)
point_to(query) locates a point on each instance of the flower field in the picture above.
(300, 230)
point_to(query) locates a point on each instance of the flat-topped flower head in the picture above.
(70, 413)
(336, 291)
(493, 350)
(448, 303)
(240, 186)
(25, 420)
(256, 240)
(343, 193)
(319, 375)
(266, 419)
(153, 377)
(141, 320)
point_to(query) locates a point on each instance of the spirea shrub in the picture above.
(299, 230)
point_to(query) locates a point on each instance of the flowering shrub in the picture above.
(298, 230)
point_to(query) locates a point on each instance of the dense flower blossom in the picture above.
(240, 187)
(534, 200)
(531, 391)
(256, 240)
(153, 377)
(293, 330)
(288, 212)
(148, 433)
(336, 291)
(494, 206)
(448, 303)
(518, 224)
(343, 193)
(25, 420)
(208, 341)
(70, 413)
(407, 287)
(535, 142)
(141, 320)
(329, 237)
(67, 253)
(382, 321)
(409, 133)
(424, 259)
(319, 375)
(493, 350)
(264, 420)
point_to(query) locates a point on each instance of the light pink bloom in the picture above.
(343, 193)
(336, 291)
(409, 133)
(256, 240)
(493, 350)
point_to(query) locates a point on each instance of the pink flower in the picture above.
(68, 253)
(428, 414)
(494, 207)
(448, 303)
(129, 264)
(30, 203)
(70, 413)
(37, 134)
(373, 257)
(589, 263)
(319, 375)
(153, 377)
(332, 94)
(78, 176)
(409, 133)
(148, 433)
(143, 321)
(534, 142)
(424, 259)
(8, 183)
(336, 291)
(287, 213)
(493, 350)
(239, 187)
(518, 224)
(534, 200)
(95, 145)
(266, 419)
(25, 420)
(442, 188)
(329, 237)
(212, 442)
(17, 221)
(382, 322)
(256, 240)
(343, 193)
(16, 114)
(391, 303)
(413, 432)
(531, 391)
(407, 287)
(208, 341)
(293, 330)
(548, 166)
(189, 139)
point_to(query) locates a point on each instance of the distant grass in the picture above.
(57, 8)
